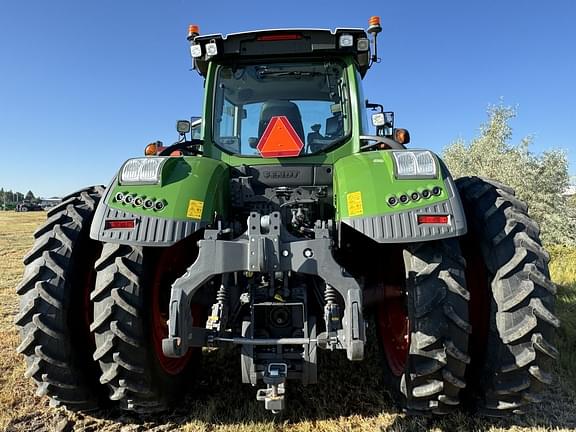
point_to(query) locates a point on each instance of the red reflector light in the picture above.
(280, 139)
(120, 224)
(279, 37)
(433, 219)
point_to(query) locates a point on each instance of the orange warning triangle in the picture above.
(280, 139)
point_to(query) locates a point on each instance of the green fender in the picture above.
(364, 184)
(192, 191)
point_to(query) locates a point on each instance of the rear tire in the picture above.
(132, 282)
(512, 299)
(55, 311)
(431, 375)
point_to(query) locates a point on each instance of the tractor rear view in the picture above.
(284, 229)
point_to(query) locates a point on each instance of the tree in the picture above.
(29, 196)
(539, 180)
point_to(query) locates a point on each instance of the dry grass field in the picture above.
(349, 396)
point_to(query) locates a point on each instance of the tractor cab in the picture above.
(283, 93)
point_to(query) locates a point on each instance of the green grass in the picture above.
(349, 397)
(563, 272)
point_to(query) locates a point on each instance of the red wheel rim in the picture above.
(394, 328)
(169, 265)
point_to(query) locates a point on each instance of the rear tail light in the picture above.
(120, 224)
(433, 219)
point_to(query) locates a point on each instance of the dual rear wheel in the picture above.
(55, 309)
(82, 301)
(476, 325)
(130, 312)
(423, 329)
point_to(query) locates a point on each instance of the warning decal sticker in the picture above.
(195, 209)
(354, 200)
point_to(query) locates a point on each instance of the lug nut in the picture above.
(392, 201)
(308, 253)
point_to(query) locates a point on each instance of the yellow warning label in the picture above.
(195, 209)
(354, 200)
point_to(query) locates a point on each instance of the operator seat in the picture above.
(334, 127)
(275, 108)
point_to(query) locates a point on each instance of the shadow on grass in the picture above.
(344, 389)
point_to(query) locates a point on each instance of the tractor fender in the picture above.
(192, 191)
(370, 198)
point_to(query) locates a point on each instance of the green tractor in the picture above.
(284, 228)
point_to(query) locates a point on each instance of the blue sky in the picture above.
(85, 85)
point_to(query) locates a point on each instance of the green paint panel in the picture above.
(364, 182)
(192, 187)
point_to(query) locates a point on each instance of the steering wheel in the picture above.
(192, 146)
(389, 142)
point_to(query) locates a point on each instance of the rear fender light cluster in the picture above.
(406, 197)
(144, 202)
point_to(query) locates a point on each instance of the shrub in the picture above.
(539, 180)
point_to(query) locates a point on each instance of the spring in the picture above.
(330, 294)
(222, 295)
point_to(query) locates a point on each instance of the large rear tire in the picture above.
(130, 311)
(55, 310)
(512, 299)
(424, 333)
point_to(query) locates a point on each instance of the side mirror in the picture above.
(183, 126)
(402, 136)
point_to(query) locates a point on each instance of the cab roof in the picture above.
(284, 44)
